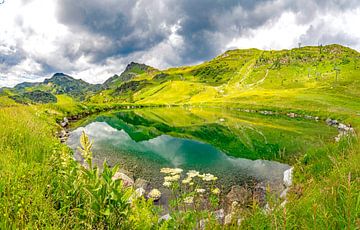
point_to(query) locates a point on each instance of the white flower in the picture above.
(209, 177)
(167, 184)
(189, 200)
(200, 190)
(172, 178)
(186, 180)
(155, 194)
(192, 173)
(216, 191)
(165, 170)
(172, 171)
(176, 171)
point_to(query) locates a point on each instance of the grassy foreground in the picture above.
(42, 187)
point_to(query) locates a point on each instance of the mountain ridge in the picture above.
(233, 74)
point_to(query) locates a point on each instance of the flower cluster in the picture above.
(192, 192)
(155, 194)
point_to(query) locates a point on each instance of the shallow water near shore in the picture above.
(237, 147)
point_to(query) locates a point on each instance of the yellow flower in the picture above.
(216, 191)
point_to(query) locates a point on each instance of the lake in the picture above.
(237, 147)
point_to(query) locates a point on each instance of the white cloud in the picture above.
(285, 32)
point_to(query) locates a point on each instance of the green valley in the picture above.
(248, 104)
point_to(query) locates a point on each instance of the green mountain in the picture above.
(132, 70)
(309, 76)
(59, 83)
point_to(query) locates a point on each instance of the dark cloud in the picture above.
(166, 32)
(206, 26)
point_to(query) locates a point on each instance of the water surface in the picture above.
(237, 147)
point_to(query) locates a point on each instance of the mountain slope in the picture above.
(305, 77)
(133, 69)
(59, 83)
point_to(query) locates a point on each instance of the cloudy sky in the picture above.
(94, 39)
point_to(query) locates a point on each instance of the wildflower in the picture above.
(191, 183)
(165, 170)
(200, 190)
(172, 171)
(209, 177)
(176, 171)
(193, 173)
(167, 184)
(155, 194)
(172, 178)
(189, 200)
(216, 191)
(186, 180)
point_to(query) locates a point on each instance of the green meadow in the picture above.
(42, 186)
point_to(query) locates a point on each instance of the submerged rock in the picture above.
(141, 183)
(238, 194)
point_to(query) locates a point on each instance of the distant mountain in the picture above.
(35, 96)
(133, 69)
(59, 83)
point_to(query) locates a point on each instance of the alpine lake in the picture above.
(238, 147)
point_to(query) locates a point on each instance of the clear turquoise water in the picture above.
(143, 143)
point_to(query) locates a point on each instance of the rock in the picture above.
(127, 181)
(238, 194)
(342, 126)
(63, 124)
(202, 224)
(66, 120)
(228, 219)
(328, 121)
(141, 183)
(219, 215)
(140, 192)
(165, 218)
(63, 133)
(288, 177)
(284, 193)
(260, 194)
(292, 115)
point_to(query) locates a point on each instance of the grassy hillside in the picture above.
(309, 78)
